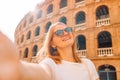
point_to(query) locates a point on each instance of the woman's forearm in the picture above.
(32, 71)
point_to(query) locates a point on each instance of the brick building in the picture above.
(97, 30)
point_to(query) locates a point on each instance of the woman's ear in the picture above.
(53, 44)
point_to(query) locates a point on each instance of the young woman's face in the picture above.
(62, 36)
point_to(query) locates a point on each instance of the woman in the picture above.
(61, 62)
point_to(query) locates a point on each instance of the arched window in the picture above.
(107, 72)
(63, 3)
(63, 19)
(37, 31)
(39, 14)
(31, 19)
(50, 9)
(80, 17)
(22, 39)
(26, 53)
(28, 35)
(48, 26)
(35, 49)
(78, 0)
(102, 12)
(81, 42)
(104, 39)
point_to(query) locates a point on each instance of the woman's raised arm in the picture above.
(11, 68)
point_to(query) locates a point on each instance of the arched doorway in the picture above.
(102, 16)
(102, 12)
(35, 49)
(26, 53)
(107, 72)
(104, 44)
(104, 39)
(81, 42)
(81, 46)
(48, 26)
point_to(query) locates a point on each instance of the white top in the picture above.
(72, 71)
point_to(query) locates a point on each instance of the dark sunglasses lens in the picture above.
(68, 29)
(59, 32)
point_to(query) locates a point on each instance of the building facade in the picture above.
(97, 31)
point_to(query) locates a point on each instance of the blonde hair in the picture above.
(49, 49)
(40, 55)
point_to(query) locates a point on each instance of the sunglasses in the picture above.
(61, 32)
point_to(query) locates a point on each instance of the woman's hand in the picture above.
(10, 66)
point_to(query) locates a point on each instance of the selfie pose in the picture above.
(60, 63)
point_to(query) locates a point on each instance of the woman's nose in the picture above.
(65, 32)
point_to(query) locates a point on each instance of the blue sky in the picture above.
(11, 13)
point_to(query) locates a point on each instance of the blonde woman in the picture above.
(61, 62)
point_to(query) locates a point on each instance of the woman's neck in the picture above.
(66, 54)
